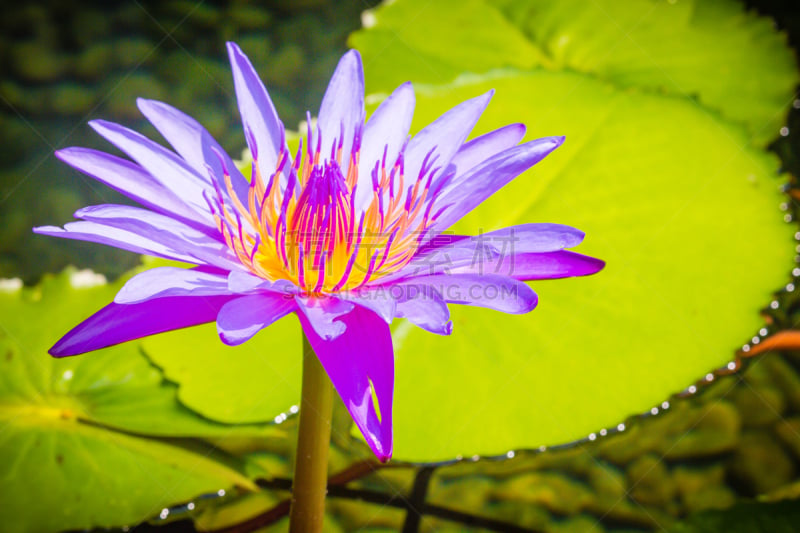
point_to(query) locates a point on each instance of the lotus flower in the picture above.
(347, 233)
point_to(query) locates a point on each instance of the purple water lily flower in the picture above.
(347, 233)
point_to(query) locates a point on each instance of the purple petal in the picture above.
(240, 319)
(118, 238)
(423, 306)
(522, 238)
(492, 291)
(357, 360)
(160, 282)
(444, 136)
(447, 253)
(378, 300)
(240, 281)
(117, 323)
(481, 148)
(258, 114)
(193, 143)
(342, 106)
(442, 258)
(129, 179)
(527, 267)
(323, 313)
(534, 237)
(172, 234)
(485, 179)
(169, 169)
(387, 129)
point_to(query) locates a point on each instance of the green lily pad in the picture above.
(731, 61)
(687, 219)
(409, 41)
(82, 442)
(250, 383)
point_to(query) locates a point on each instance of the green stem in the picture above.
(313, 440)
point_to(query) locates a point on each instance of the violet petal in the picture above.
(481, 148)
(165, 166)
(485, 179)
(257, 111)
(131, 180)
(444, 136)
(324, 314)
(241, 318)
(118, 238)
(342, 107)
(193, 143)
(492, 291)
(386, 129)
(161, 282)
(357, 359)
(243, 282)
(176, 236)
(424, 307)
(378, 301)
(116, 323)
(447, 253)
(532, 266)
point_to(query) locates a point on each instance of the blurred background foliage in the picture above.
(669, 107)
(65, 63)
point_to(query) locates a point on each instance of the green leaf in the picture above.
(686, 217)
(411, 42)
(253, 382)
(731, 61)
(80, 444)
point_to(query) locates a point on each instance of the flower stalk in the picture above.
(313, 440)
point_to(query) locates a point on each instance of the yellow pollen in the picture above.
(300, 223)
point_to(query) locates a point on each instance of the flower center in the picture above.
(309, 223)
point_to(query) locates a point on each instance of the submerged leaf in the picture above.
(780, 517)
